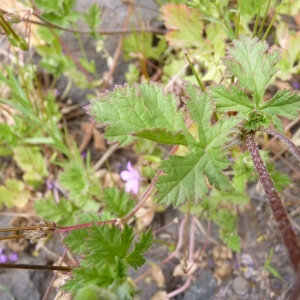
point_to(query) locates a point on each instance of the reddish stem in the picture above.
(284, 225)
(293, 148)
(85, 225)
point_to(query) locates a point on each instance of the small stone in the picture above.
(240, 285)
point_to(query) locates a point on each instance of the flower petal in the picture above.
(130, 167)
(3, 258)
(129, 185)
(125, 175)
(132, 186)
(135, 188)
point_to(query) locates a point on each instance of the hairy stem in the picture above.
(293, 148)
(284, 225)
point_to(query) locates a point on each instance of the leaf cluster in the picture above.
(31, 161)
(108, 253)
(59, 12)
(83, 191)
(14, 193)
(34, 123)
(93, 19)
(146, 111)
(249, 61)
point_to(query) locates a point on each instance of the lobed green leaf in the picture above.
(118, 203)
(284, 103)
(130, 110)
(233, 99)
(163, 136)
(248, 61)
(107, 243)
(135, 259)
(183, 178)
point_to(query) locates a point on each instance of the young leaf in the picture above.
(184, 24)
(31, 161)
(248, 61)
(102, 276)
(117, 202)
(92, 292)
(111, 243)
(7, 134)
(76, 241)
(141, 45)
(135, 259)
(62, 212)
(81, 185)
(74, 179)
(49, 6)
(233, 242)
(14, 193)
(130, 110)
(92, 17)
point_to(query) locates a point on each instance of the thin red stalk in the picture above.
(203, 247)
(293, 148)
(192, 240)
(182, 288)
(165, 226)
(284, 225)
(186, 232)
(86, 225)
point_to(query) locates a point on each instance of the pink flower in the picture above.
(132, 178)
(3, 258)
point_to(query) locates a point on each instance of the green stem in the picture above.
(271, 24)
(256, 20)
(264, 19)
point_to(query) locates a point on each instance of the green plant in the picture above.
(131, 114)
(145, 111)
(268, 267)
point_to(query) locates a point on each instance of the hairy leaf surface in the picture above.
(253, 67)
(232, 99)
(184, 176)
(128, 110)
(284, 103)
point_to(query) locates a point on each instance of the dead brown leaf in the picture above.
(160, 295)
(145, 214)
(99, 142)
